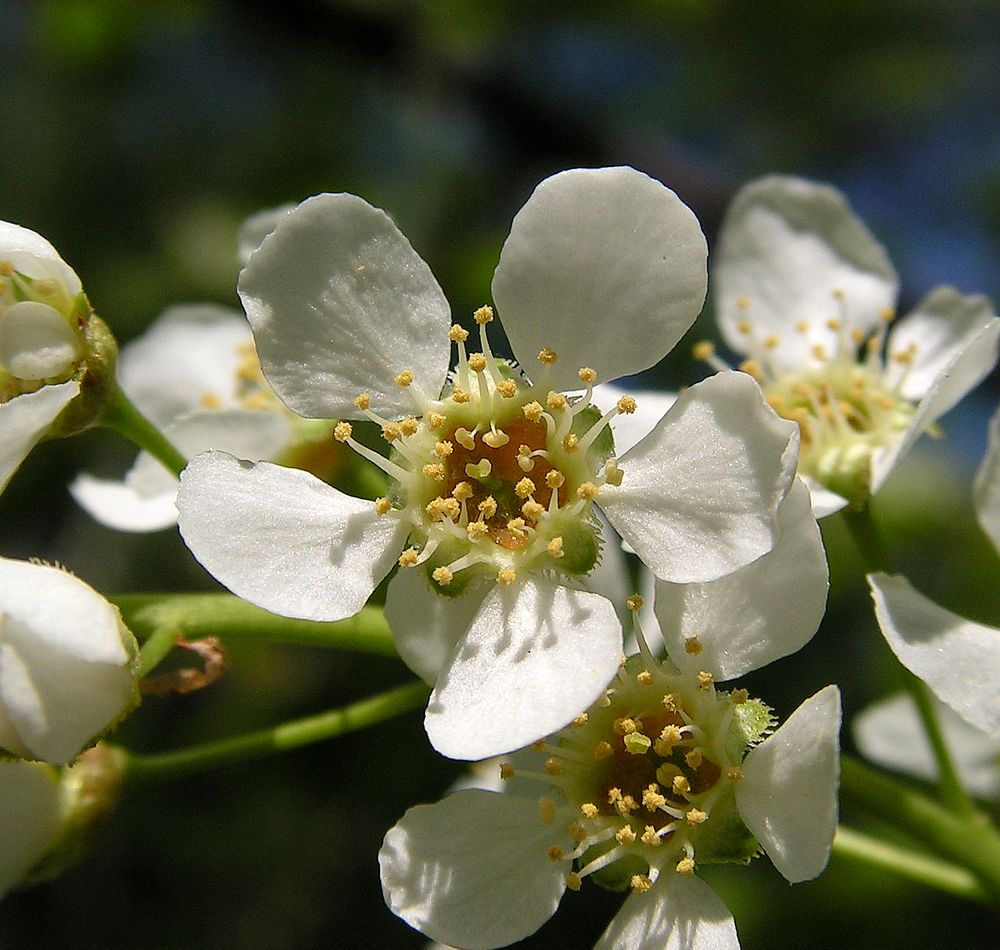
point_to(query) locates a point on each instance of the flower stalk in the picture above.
(123, 417)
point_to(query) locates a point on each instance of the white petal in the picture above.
(701, 492)
(37, 342)
(116, 505)
(65, 660)
(24, 421)
(257, 227)
(679, 912)
(473, 870)
(282, 539)
(605, 266)
(537, 655)
(30, 816)
(340, 303)
(761, 612)
(986, 490)
(890, 733)
(34, 257)
(187, 358)
(786, 246)
(631, 428)
(788, 794)
(969, 365)
(824, 501)
(937, 330)
(425, 625)
(958, 659)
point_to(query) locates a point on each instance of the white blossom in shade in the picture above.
(890, 733)
(68, 665)
(664, 773)
(43, 313)
(31, 818)
(497, 466)
(806, 293)
(986, 488)
(195, 374)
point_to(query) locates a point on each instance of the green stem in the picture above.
(971, 842)
(858, 846)
(166, 766)
(228, 617)
(124, 418)
(867, 538)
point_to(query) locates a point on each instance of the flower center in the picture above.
(498, 474)
(644, 781)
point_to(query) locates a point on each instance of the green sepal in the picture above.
(753, 721)
(580, 547)
(724, 839)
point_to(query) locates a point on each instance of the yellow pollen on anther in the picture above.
(734, 774)
(744, 304)
(833, 324)
(516, 526)
(477, 362)
(391, 431)
(436, 419)
(802, 326)
(577, 832)
(507, 388)
(587, 491)
(460, 396)
(703, 350)
(613, 473)
(653, 798)
(524, 488)
(554, 766)
(640, 883)
(210, 400)
(587, 375)
(462, 491)
(488, 506)
(554, 478)
(626, 405)
(685, 866)
(506, 771)
(532, 411)
(625, 835)
(409, 557)
(705, 680)
(457, 334)
(670, 702)
(645, 678)
(547, 356)
(573, 881)
(739, 696)
(819, 352)
(589, 810)
(557, 402)
(680, 785)
(506, 576)
(624, 725)
(443, 449)
(694, 758)
(6, 268)
(581, 720)
(532, 510)
(752, 368)
(409, 426)
(603, 749)
(483, 315)
(477, 529)
(857, 336)
(772, 341)
(744, 327)
(555, 547)
(404, 378)
(650, 837)
(443, 576)
(383, 506)
(570, 442)
(435, 470)
(342, 431)
(363, 401)
(635, 602)
(692, 646)
(547, 810)
(555, 853)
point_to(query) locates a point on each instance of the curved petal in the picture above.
(425, 625)
(473, 870)
(605, 266)
(679, 912)
(786, 246)
(117, 505)
(787, 796)
(761, 612)
(701, 492)
(34, 257)
(31, 818)
(890, 733)
(986, 489)
(282, 539)
(340, 303)
(187, 360)
(537, 655)
(957, 658)
(25, 420)
(824, 501)
(936, 331)
(631, 428)
(969, 365)
(257, 227)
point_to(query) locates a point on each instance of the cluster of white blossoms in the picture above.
(497, 467)
(805, 291)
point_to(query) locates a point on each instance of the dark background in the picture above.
(137, 136)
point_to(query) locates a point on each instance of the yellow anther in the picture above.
(589, 810)
(477, 529)
(887, 314)
(555, 853)
(459, 395)
(488, 506)
(532, 510)
(409, 557)
(644, 678)
(739, 696)
(477, 362)
(625, 835)
(695, 816)
(685, 866)
(819, 352)
(650, 837)
(409, 426)
(581, 720)
(624, 725)
(603, 749)
(435, 471)
(555, 547)
(670, 702)
(833, 324)
(507, 388)
(635, 602)
(556, 401)
(587, 375)
(383, 506)
(904, 357)
(587, 491)
(517, 527)
(857, 336)
(680, 785)
(462, 491)
(744, 327)
(554, 766)
(443, 576)
(547, 356)
(342, 431)
(703, 350)
(838, 294)
(436, 419)
(577, 832)
(443, 449)
(705, 680)
(391, 431)
(744, 304)
(555, 479)
(457, 334)
(532, 411)
(570, 443)
(802, 326)
(547, 810)
(613, 472)
(496, 438)
(640, 883)
(6, 268)
(734, 774)
(671, 734)
(404, 378)
(752, 368)
(573, 881)
(506, 771)
(524, 487)
(363, 401)
(694, 758)
(483, 315)
(210, 400)
(626, 405)
(653, 798)
(506, 576)
(692, 646)
(772, 341)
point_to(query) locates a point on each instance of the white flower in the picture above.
(890, 733)
(31, 818)
(664, 772)
(67, 663)
(806, 292)
(42, 314)
(957, 658)
(195, 374)
(496, 476)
